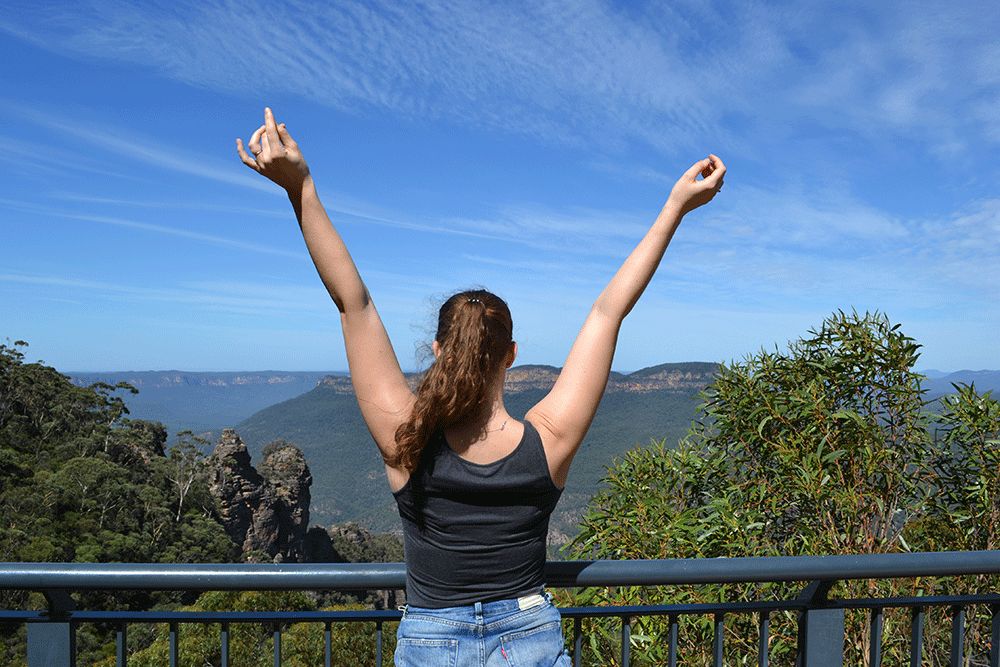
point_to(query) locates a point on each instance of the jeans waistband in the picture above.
(526, 601)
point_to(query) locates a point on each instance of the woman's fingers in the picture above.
(286, 138)
(717, 173)
(718, 169)
(712, 171)
(698, 167)
(246, 159)
(270, 129)
(254, 144)
(253, 147)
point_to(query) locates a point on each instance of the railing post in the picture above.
(821, 633)
(224, 640)
(626, 640)
(672, 647)
(121, 644)
(277, 645)
(957, 635)
(53, 644)
(821, 629)
(577, 640)
(174, 647)
(718, 640)
(763, 639)
(875, 639)
(995, 636)
(328, 644)
(916, 636)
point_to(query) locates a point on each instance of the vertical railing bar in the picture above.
(173, 643)
(277, 645)
(917, 637)
(626, 640)
(378, 643)
(577, 640)
(224, 641)
(957, 635)
(763, 638)
(995, 636)
(672, 648)
(717, 642)
(121, 642)
(875, 638)
(328, 636)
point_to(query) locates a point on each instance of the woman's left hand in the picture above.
(275, 155)
(689, 193)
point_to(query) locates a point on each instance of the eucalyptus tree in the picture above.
(819, 448)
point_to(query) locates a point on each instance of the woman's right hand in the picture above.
(275, 155)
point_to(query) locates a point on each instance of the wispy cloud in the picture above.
(253, 298)
(126, 143)
(903, 68)
(576, 70)
(573, 230)
(524, 223)
(46, 162)
(173, 204)
(150, 227)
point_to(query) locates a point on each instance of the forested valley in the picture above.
(81, 482)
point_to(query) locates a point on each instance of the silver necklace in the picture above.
(494, 430)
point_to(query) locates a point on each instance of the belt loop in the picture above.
(479, 612)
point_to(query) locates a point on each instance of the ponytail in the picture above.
(474, 335)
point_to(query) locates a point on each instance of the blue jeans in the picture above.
(526, 632)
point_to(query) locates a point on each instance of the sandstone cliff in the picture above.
(266, 511)
(690, 376)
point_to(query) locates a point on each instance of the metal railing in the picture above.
(821, 627)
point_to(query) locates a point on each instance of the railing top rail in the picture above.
(768, 569)
(560, 574)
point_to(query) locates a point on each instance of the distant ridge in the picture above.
(942, 383)
(204, 401)
(212, 400)
(175, 378)
(678, 376)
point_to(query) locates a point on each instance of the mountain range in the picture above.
(321, 416)
(318, 412)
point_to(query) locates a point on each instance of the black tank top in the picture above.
(476, 533)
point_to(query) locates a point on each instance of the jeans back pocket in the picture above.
(542, 645)
(417, 652)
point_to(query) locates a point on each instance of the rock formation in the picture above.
(266, 511)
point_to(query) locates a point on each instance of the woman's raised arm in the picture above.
(564, 415)
(379, 384)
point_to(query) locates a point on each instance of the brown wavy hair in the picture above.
(474, 335)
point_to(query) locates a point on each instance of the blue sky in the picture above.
(520, 146)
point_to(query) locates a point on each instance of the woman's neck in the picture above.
(492, 419)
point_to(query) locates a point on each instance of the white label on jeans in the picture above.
(529, 601)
